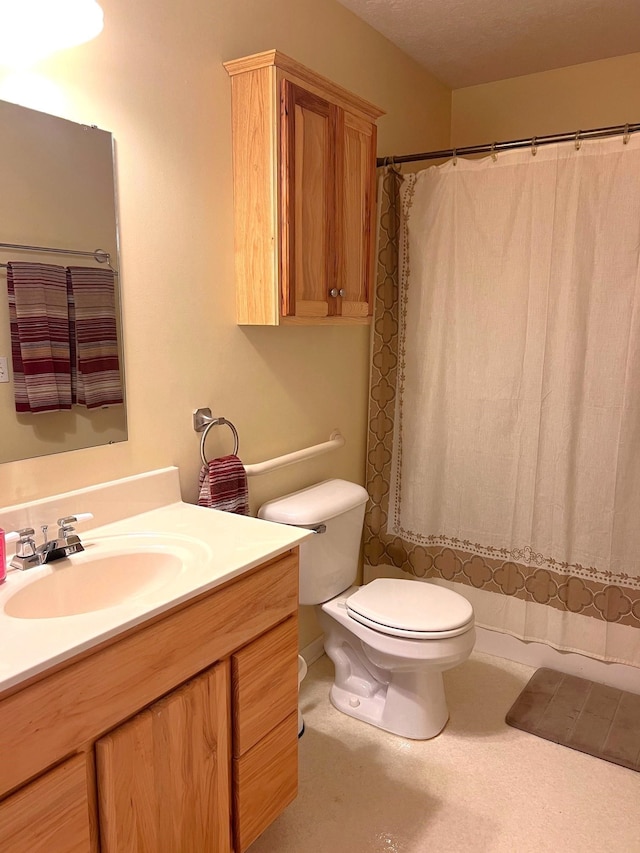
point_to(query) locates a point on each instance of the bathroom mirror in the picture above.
(57, 191)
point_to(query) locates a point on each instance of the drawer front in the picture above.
(49, 814)
(265, 685)
(265, 781)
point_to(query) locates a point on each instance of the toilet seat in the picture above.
(410, 609)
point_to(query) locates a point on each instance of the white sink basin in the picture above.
(108, 573)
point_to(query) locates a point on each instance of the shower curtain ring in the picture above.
(578, 141)
(534, 146)
(455, 156)
(626, 135)
(390, 164)
(494, 156)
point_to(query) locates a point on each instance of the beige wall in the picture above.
(155, 79)
(595, 94)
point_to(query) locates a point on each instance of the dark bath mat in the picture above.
(593, 718)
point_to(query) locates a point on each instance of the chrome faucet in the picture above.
(66, 543)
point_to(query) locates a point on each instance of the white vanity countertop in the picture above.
(221, 546)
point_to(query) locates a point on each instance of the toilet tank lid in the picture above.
(314, 504)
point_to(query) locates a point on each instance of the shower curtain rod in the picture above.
(493, 147)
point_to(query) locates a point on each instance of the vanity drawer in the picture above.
(265, 684)
(50, 814)
(265, 781)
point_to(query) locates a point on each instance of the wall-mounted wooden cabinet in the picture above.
(304, 153)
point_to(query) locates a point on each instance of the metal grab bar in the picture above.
(336, 440)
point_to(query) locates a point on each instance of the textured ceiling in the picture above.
(465, 42)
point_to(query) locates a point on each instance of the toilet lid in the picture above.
(411, 609)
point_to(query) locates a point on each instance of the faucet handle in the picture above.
(26, 547)
(65, 525)
(10, 536)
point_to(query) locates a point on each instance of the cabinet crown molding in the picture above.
(291, 68)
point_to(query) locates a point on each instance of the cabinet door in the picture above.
(308, 259)
(50, 815)
(164, 777)
(356, 151)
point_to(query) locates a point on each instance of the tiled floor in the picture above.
(479, 786)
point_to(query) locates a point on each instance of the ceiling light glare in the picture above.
(34, 29)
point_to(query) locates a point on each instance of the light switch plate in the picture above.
(4, 369)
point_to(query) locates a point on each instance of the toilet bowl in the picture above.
(389, 680)
(389, 640)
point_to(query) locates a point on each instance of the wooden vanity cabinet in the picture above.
(181, 735)
(304, 154)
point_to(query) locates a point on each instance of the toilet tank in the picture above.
(329, 560)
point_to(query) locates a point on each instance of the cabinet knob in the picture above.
(342, 291)
(333, 291)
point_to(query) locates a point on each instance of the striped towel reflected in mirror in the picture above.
(64, 337)
(94, 337)
(40, 343)
(223, 485)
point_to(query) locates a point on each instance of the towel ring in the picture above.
(217, 422)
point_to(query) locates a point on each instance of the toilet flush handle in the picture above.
(316, 528)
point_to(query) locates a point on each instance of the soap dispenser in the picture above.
(4, 538)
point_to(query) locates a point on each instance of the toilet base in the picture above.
(412, 705)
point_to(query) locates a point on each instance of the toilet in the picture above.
(389, 640)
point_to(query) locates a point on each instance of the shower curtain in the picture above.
(504, 432)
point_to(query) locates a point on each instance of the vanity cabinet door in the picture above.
(164, 776)
(50, 815)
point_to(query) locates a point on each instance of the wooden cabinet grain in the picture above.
(156, 708)
(163, 777)
(304, 195)
(51, 814)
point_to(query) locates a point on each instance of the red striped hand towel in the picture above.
(39, 326)
(223, 485)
